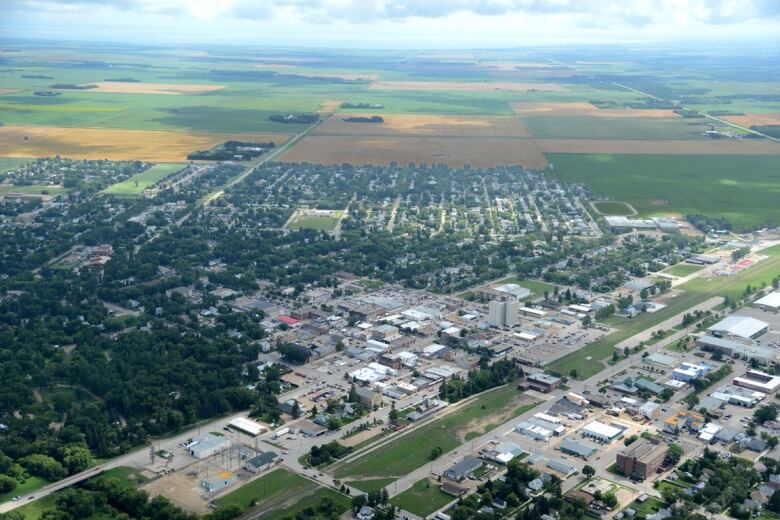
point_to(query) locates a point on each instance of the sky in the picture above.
(392, 23)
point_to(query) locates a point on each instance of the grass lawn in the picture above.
(537, 287)
(743, 189)
(370, 485)
(279, 481)
(313, 499)
(694, 292)
(136, 184)
(11, 163)
(408, 452)
(648, 507)
(37, 190)
(682, 270)
(613, 207)
(423, 498)
(28, 486)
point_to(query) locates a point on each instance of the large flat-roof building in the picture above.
(543, 382)
(247, 426)
(642, 458)
(743, 327)
(758, 381)
(462, 469)
(602, 432)
(735, 349)
(208, 444)
(770, 302)
(578, 449)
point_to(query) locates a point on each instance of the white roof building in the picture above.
(601, 431)
(770, 301)
(739, 326)
(247, 426)
(708, 432)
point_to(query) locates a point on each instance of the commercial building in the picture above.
(739, 396)
(709, 432)
(735, 349)
(504, 452)
(770, 302)
(534, 431)
(247, 426)
(743, 327)
(758, 381)
(263, 461)
(462, 469)
(578, 449)
(689, 371)
(219, 481)
(543, 383)
(650, 410)
(207, 444)
(642, 458)
(368, 397)
(602, 432)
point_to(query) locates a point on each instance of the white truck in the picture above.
(281, 432)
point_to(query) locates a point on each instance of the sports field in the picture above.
(743, 189)
(136, 184)
(315, 223)
(613, 207)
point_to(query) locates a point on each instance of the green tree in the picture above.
(588, 471)
(675, 454)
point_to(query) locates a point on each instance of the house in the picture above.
(462, 469)
(261, 462)
(219, 481)
(642, 458)
(207, 444)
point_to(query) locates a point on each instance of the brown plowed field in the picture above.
(749, 120)
(454, 151)
(427, 124)
(531, 108)
(465, 86)
(114, 144)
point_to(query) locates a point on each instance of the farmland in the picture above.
(742, 189)
(467, 86)
(575, 127)
(453, 151)
(711, 147)
(95, 143)
(429, 125)
(136, 184)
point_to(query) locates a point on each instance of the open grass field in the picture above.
(96, 143)
(429, 125)
(454, 151)
(532, 108)
(315, 223)
(537, 287)
(280, 494)
(136, 184)
(575, 127)
(423, 498)
(660, 146)
(29, 485)
(152, 88)
(613, 207)
(37, 190)
(8, 163)
(589, 360)
(408, 452)
(466, 85)
(743, 189)
(683, 269)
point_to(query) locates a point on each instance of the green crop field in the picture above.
(741, 188)
(423, 498)
(580, 127)
(136, 184)
(589, 360)
(408, 452)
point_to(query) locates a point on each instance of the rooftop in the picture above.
(741, 326)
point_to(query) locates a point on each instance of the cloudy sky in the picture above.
(392, 23)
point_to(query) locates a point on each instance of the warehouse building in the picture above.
(602, 432)
(758, 381)
(578, 449)
(543, 383)
(263, 461)
(770, 302)
(219, 481)
(534, 431)
(247, 426)
(462, 469)
(641, 459)
(207, 444)
(749, 352)
(743, 327)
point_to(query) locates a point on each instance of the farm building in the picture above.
(578, 449)
(602, 432)
(743, 327)
(770, 302)
(207, 444)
